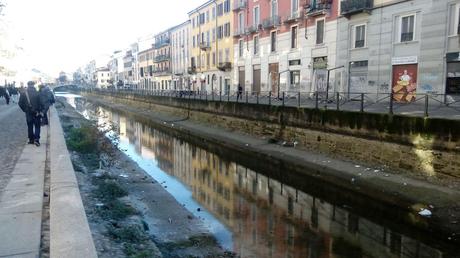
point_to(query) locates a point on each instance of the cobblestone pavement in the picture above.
(13, 135)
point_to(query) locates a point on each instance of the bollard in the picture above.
(362, 102)
(220, 96)
(270, 98)
(426, 104)
(391, 103)
(316, 100)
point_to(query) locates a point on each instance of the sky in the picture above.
(62, 35)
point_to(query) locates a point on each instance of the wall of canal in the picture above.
(428, 146)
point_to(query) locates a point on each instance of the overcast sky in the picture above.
(61, 35)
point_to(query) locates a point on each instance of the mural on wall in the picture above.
(404, 83)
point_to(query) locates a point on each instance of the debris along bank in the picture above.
(130, 214)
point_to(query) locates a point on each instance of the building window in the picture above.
(273, 41)
(220, 9)
(294, 6)
(227, 55)
(227, 6)
(241, 22)
(359, 36)
(214, 58)
(256, 45)
(274, 8)
(256, 16)
(320, 32)
(407, 28)
(294, 78)
(294, 37)
(240, 48)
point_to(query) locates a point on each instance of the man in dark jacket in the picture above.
(47, 99)
(30, 103)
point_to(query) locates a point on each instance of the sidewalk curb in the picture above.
(70, 235)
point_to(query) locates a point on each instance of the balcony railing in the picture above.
(238, 32)
(239, 5)
(161, 71)
(320, 8)
(191, 69)
(161, 58)
(224, 66)
(350, 7)
(293, 16)
(271, 22)
(253, 29)
(162, 43)
(205, 46)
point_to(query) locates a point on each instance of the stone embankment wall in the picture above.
(428, 146)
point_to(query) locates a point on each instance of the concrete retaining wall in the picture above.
(70, 235)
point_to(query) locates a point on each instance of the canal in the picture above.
(250, 211)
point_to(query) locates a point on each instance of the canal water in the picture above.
(247, 210)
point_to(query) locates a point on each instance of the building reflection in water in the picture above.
(266, 217)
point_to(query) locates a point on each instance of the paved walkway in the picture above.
(13, 135)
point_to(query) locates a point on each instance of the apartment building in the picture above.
(400, 47)
(162, 61)
(180, 39)
(211, 54)
(102, 78)
(128, 61)
(285, 45)
(146, 64)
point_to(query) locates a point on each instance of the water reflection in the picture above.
(251, 213)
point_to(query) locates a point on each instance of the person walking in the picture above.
(239, 94)
(47, 100)
(30, 104)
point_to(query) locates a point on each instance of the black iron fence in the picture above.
(433, 105)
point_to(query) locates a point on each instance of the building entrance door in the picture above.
(273, 70)
(256, 79)
(241, 78)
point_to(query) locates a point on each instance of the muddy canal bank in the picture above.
(130, 214)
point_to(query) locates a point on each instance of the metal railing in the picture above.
(422, 105)
(348, 7)
(271, 22)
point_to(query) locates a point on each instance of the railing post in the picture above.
(298, 99)
(391, 103)
(284, 94)
(257, 98)
(238, 97)
(362, 102)
(212, 95)
(426, 104)
(228, 96)
(220, 96)
(338, 101)
(206, 95)
(247, 97)
(270, 98)
(316, 100)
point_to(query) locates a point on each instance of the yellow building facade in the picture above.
(211, 47)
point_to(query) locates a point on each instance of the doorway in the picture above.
(273, 70)
(256, 79)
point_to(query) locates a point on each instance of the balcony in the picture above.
(239, 5)
(239, 32)
(271, 22)
(162, 43)
(224, 66)
(294, 17)
(205, 46)
(163, 71)
(317, 9)
(253, 29)
(350, 7)
(161, 58)
(191, 70)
